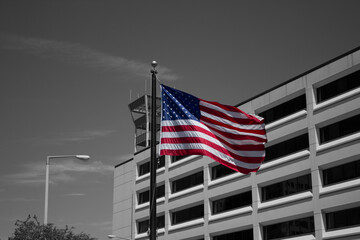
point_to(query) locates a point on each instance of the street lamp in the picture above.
(116, 237)
(80, 157)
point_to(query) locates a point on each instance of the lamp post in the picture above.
(80, 157)
(116, 237)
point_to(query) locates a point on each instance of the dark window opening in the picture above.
(291, 228)
(246, 234)
(188, 214)
(160, 162)
(145, 167)
(187, 182)
(143, 226)
(145, 196)
(285, 109)
(287, 147)
(232, 202)
(341, 173)
(343, 219)
(178, 158)
(220, 171)
(338, 87)
(285, 188)
(340, 129)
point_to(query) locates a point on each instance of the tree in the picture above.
(32, 229)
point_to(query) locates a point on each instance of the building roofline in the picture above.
(300, 75)
(122, 163)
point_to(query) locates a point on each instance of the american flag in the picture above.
(193, 126)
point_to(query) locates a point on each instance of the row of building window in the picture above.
(338, 87)
(288, 187)
(323, 93)
(333, 221)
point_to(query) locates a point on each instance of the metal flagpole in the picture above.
(153, 162)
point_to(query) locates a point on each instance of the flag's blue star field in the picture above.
(179, 105)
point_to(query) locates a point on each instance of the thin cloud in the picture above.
(77, 54)
(85, 135)
(72, 166)
(64, 171)
(18, 199)
(70, 137)
(74, 195)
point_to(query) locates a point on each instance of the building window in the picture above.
(187, 182)
(287, 147)
(289, 229)
(343, 219)
(188, 214)
(161, 162)
(220, 171)
(143, 226)
(246, 234)
(285, 188)
(340, 129)
(338, 87)
(145, 167)
(144, 196)
(284, 109)
(232, 202)
(178, 158)
(341, 173)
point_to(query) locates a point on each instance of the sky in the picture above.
(69, 69)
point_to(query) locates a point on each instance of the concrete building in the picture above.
(307, 188)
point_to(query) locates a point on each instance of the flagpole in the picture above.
(153, 162)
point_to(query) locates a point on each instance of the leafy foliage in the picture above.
(32, 229)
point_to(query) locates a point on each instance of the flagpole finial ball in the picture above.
(154, 64)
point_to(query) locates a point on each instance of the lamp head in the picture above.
(154, 64)
(83, 157)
